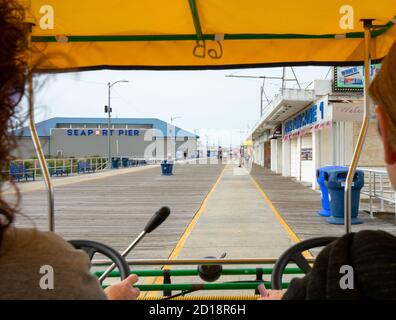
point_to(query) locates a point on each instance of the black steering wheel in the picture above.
(294, 254)
(92, 247)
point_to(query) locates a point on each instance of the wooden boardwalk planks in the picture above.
(298, 206)
(114, 210)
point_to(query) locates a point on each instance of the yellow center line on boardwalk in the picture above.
(287, 228)
(180, 244)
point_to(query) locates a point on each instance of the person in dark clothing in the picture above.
(370, 255)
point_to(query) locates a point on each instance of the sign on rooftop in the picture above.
(351, 78)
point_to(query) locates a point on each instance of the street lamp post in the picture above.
(207, 146)
(108, 110)
(173, 119)
(174, 133)
(231, 145)
(197, 145)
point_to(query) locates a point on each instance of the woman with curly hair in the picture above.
(23, 252)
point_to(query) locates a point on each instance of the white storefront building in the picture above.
(303, 130)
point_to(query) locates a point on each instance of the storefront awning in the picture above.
(196, 34)
(247, 143)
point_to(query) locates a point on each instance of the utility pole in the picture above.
(261, 99)
(262, 87)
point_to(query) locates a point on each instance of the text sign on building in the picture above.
(314, 114)
(101, 132)
(306, 154)
(348, 112)
(352, 78)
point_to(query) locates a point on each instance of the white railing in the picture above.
(70, 166)
(67, 165)
(378, 186)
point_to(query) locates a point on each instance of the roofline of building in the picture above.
(44, 127)
(276, 104)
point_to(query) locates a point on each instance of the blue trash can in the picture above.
(125, 162)
(115, 163)
(335, 183)
(325, 211)
(166, 168)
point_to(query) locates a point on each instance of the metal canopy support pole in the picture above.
(42, 161)
(363, 130)
(39, 150)
(196, 21)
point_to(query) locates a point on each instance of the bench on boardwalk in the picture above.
(59, 172)
(84, 167)
(20, 172)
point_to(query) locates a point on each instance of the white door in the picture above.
(307, 170)
(294, 158)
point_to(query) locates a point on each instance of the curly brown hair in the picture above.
(13, 75)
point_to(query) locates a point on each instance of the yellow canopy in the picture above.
(184, 34)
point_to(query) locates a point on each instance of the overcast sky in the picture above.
(206, 101)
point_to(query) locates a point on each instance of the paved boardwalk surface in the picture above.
(236, 220)
(114, 209)
(298, 205)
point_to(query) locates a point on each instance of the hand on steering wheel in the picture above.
(294, 254)
(92, 247)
